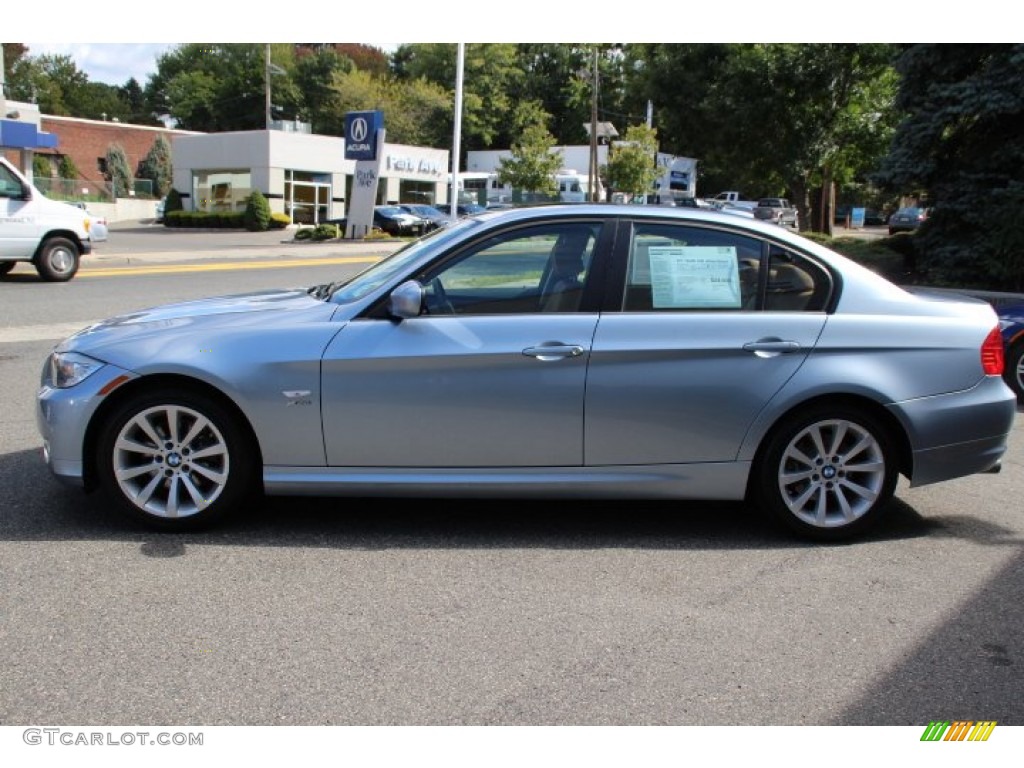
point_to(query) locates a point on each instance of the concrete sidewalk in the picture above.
(132, 243)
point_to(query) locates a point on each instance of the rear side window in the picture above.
(795, 283)
(677, 267)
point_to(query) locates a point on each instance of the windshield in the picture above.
(378, 274)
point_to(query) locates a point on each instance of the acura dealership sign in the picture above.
(361, 134)
(364, 143)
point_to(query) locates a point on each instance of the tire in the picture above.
(828, 473)
(1013, 370)
(147, 460)
(57, 260)
(5, 267)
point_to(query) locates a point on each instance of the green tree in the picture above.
(631, 167)
(770, 119)
(137, 111)
(257, 212)
(314, 73)
(560, 77)
(221, 86)
(532, 164)
(960, 145)
(492, 77)
(67, 168)
(118, 170)
(42, 168)
(156, 166)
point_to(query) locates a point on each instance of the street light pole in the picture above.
(592, 180)
(266, 83)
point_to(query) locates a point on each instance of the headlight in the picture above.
(70, 368)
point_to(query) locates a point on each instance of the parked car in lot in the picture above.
(777, 210)
(98, 230)
(400, 223)
(564, 351)
(1011, 322)
(907, 219)
(428, 213)
(463, 209)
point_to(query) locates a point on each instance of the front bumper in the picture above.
(63, 416)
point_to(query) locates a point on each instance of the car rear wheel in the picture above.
(57, 260)
(175, 460)
(5, 267)
(1013, 370)
(828, 473)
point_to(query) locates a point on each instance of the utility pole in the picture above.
(592, 181)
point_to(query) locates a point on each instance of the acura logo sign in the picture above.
(359, 129)
(362, 131)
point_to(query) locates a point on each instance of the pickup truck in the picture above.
(778, 211)
(731, 201)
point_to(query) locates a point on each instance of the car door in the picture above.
(19, 229)
(491, 375)
(708, 325)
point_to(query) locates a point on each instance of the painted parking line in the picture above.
(156, 269)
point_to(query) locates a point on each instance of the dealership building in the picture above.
(303, 175)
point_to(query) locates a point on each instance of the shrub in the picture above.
(67, 168)
(325, 232)
(279, 220)
(41, 167)
(257, 212)
(305, 233)
(204, 220)
(156, 166)
(118, 170)
(173, 202)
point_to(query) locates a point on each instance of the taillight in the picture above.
(992, 353)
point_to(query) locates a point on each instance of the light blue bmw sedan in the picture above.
(583, 351)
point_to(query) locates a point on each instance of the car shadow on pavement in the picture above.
(969, 668)
(36, 507)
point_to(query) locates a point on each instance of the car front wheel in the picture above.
(828, 473)
(1013, 371)
(175, 460)
(57, 260)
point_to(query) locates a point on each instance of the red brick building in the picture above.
(86, 142)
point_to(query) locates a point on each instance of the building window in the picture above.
(221, 190)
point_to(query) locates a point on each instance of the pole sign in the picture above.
(364, 143)
(361, 134)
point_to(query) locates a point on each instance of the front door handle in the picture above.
(553, 351)
(771, 347)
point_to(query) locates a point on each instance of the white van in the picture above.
(52, 235)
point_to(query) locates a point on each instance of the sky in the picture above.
(116, 63)
(112, 59)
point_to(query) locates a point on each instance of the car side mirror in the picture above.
(406, 300)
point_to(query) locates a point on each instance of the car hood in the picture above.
(241, 313)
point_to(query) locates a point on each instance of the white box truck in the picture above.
(52, 235)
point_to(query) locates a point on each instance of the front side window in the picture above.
(536, 269)
(677, 267)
